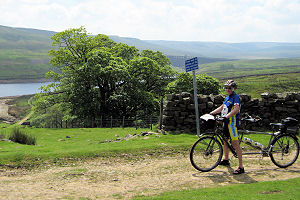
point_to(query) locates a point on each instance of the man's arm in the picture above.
(234, 111)
(218, 110)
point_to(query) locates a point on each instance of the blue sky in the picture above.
(182, 20)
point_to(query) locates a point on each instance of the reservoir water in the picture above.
(15, 89)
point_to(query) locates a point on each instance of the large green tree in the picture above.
(99, 77)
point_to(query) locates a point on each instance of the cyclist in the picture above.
(230, 109)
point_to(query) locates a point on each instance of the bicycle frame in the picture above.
(222, 139)
(265, 151)
(218, 134)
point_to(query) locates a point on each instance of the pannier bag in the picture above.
(207, 122)
(290, 125)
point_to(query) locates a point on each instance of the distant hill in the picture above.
(142, 45)
(24, 52)
(25, 39)
(179, 61)
(249, 50)
(176, 55)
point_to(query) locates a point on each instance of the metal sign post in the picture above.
(192, 65)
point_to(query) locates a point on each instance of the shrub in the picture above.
(184, 83)
(20, 136)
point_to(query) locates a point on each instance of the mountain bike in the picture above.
(282, 148)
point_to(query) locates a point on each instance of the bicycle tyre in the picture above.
(206, 153)
(284, 151)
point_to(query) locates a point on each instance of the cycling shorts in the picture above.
(230, 130)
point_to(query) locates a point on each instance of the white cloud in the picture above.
(198, 20)
(34, 1)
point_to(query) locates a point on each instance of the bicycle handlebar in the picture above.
(219, 118)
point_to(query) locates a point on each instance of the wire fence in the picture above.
(106, 122)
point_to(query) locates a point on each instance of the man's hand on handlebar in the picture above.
(219, 118)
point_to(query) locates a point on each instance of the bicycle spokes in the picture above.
(206, 153)
(285, 151)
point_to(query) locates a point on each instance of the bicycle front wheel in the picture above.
(285, 151)
(206, 153)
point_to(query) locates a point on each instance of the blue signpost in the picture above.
(192, 65)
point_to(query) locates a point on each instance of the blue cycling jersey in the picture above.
(229, 102)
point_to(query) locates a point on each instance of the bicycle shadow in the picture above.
(219, 176)
(215, 176)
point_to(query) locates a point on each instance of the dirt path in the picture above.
(25, 118)
(120, 178)
(4, 115)
(3, 108)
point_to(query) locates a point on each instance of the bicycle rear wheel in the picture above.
(206, 153)
(285, 151)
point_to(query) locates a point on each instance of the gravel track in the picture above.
(114, 178)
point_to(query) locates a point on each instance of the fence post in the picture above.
(123, 121)
(161, 112)
(150, 122)
(101, 122)
(56, 121)
(111, 121)
(136, 123)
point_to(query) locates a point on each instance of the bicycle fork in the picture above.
(209, 149)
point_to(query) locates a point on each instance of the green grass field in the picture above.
(53, 144)
(287, 189)
(58, 144)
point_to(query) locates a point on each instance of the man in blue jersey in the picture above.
(230, 109)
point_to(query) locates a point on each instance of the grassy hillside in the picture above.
(23, 64)
(278, 83)
(257, 76)
(24, 53)
(245, 68)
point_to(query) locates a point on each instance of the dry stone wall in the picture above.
(179, 110)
